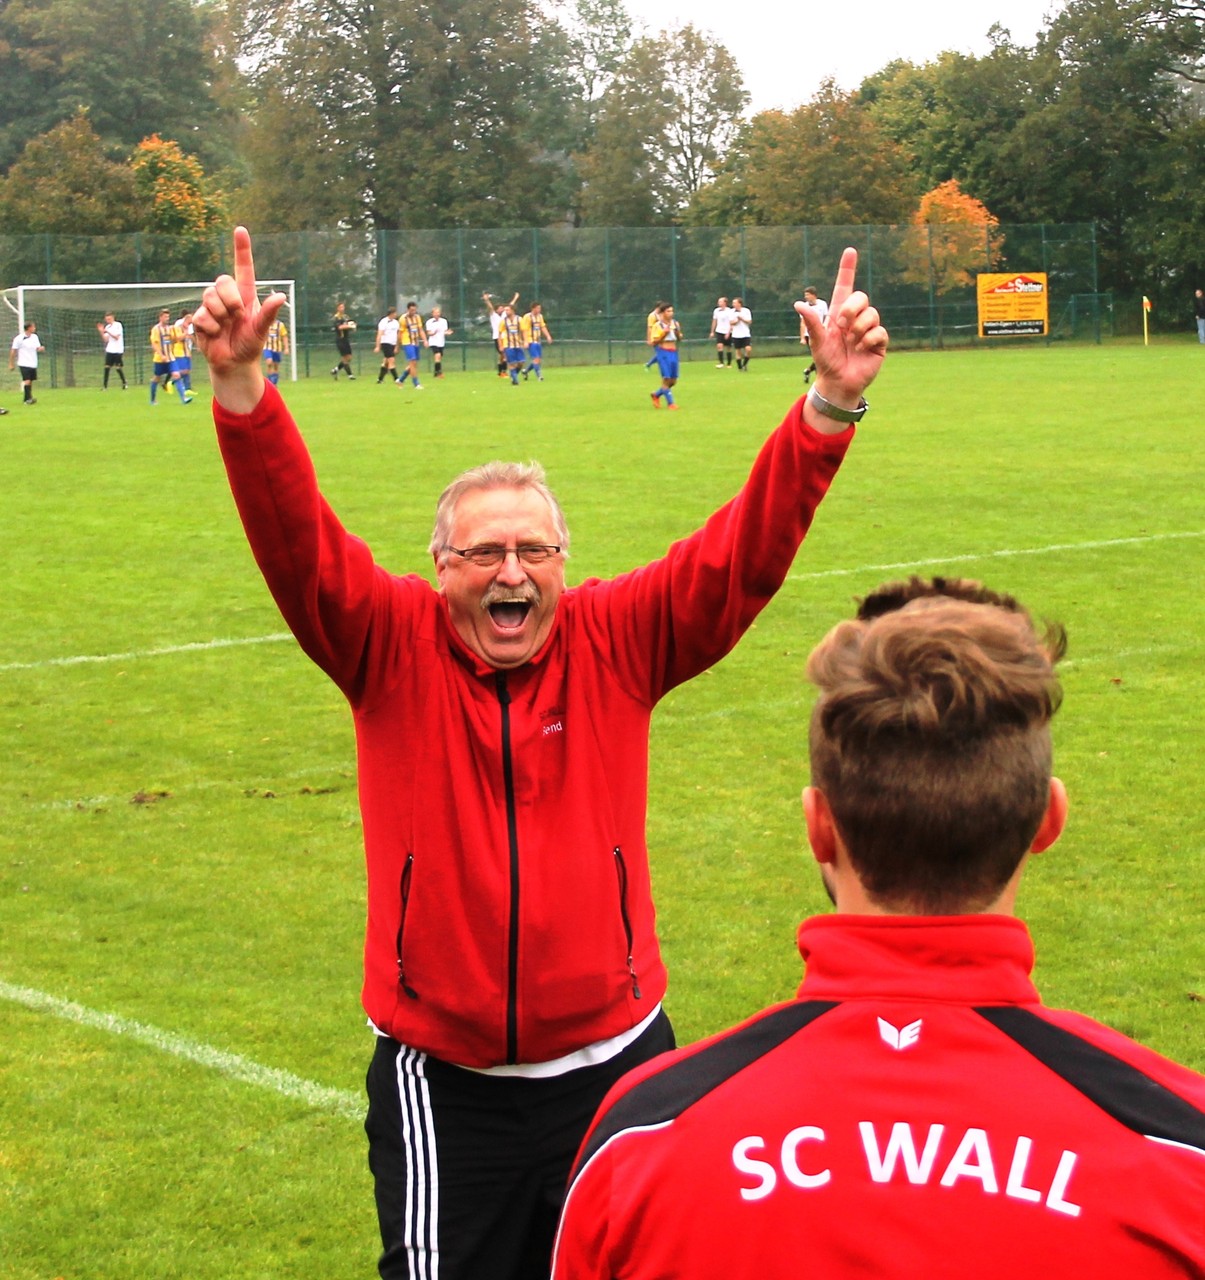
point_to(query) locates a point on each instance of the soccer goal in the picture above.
(67, 316)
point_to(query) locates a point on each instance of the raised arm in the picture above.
(848, 350)
(677, 616)
(231, 325)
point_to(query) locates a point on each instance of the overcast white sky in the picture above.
(785, 47)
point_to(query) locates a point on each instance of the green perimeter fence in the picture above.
(596, 284)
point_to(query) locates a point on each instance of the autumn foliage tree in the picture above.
(65, 182)
(953, 237)
(179, 202)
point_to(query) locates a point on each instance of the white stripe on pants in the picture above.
(422, 1168)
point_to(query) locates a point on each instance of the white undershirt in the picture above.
(590, 1056)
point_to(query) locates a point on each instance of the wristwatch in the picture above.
(830, 410)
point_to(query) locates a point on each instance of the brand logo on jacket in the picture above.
(900, 1038)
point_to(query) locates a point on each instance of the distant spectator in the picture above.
(1198, 303)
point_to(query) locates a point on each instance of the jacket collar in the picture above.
(976, 959)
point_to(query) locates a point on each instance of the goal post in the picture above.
(67, 316)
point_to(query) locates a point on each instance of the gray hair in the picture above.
(494, 475)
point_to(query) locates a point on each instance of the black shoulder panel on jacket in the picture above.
(1127, 1094)
(667, 1094)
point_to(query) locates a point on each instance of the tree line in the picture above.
(307, 114)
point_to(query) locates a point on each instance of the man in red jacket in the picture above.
(916, 1111)
(511, 966)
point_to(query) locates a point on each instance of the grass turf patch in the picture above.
(181, 845)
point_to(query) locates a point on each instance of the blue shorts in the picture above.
(181, 364)
(411, 350)
(161, 368)
(274, 356)
(514, 355)
(534, 351)
(667, 362)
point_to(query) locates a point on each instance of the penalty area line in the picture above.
(1002, 554)
(339, 1102)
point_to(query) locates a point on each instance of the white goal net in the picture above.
(67, 316)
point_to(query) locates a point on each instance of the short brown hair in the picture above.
(931, 741)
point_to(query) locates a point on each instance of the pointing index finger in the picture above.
(844, 284)
(244, 268)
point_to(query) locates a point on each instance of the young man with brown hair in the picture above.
(916, 1111)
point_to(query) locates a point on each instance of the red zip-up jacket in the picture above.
(915, 1113)
(509, 912)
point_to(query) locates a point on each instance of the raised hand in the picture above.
(849, 350)
(231, 325)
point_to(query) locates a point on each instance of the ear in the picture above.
(822, 831)
(1053, 820)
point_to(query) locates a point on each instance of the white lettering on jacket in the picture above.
(971, 1159)
(788, 1159)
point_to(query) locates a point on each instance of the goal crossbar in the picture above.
(149, 293)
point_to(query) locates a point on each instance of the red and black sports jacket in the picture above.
(915, 1113)
(509, 912)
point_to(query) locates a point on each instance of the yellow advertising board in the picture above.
(1015, 305)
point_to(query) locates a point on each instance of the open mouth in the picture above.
(510, 615)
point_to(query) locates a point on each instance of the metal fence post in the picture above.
(463, 305)
(933, 319)
(305, 300)
(607, 285)
(673, 265)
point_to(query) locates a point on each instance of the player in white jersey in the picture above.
(386, 344)
(23, 356)
(113, 335)
(741, 333)
(820, 307)
(438, 333)
(721, 331)
(497, 314)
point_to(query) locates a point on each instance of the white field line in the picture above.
(340, 1102)
(201, 646)
(135, 655)
(997, 555)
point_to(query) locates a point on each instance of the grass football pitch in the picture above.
(181, 889)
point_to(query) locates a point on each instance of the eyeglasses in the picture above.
(487, 555)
